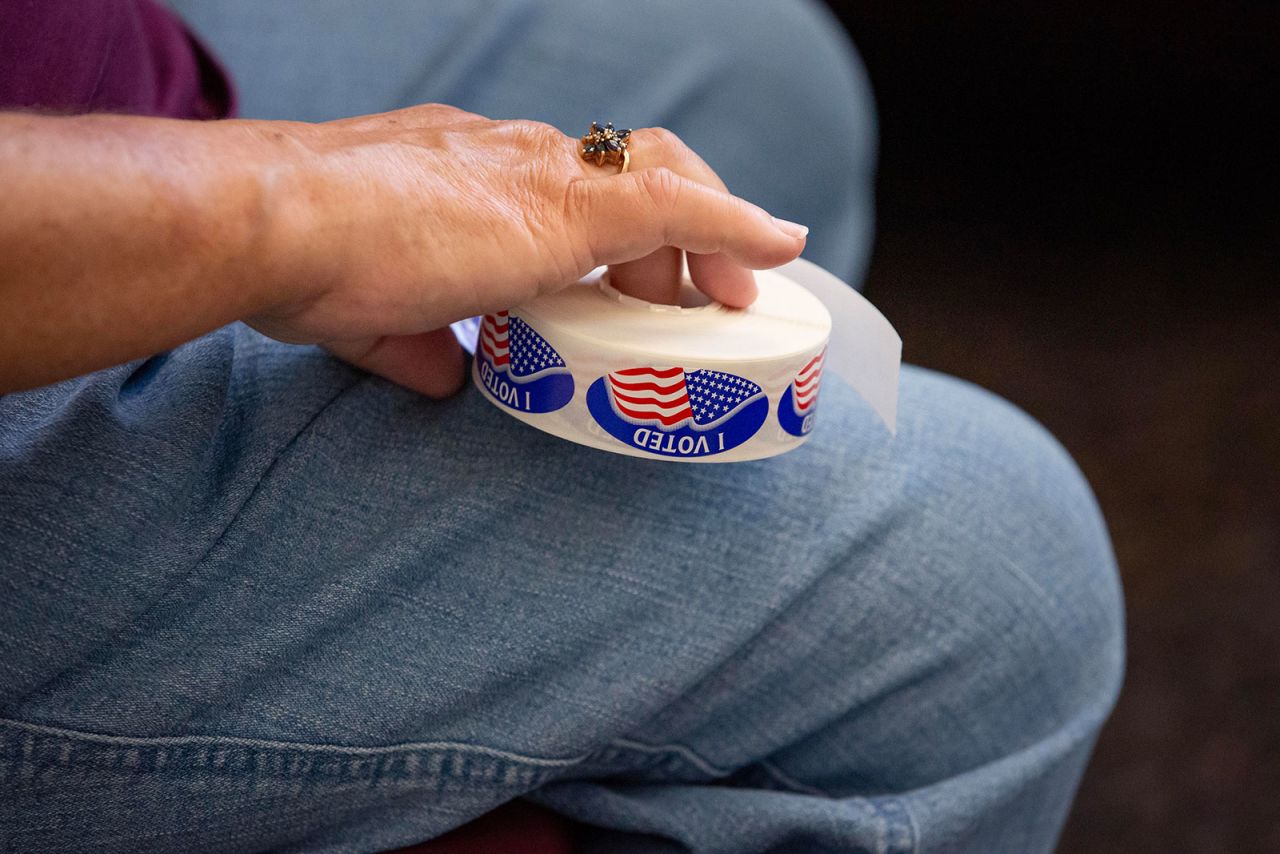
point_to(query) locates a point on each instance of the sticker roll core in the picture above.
(698, 382)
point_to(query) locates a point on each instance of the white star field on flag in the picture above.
(712, 394)
(530, 354)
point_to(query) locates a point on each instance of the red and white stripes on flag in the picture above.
(806, 383)
(649, 394)
(495, 338)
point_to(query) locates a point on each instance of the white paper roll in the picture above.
(698, 383)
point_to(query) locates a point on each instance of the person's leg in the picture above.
(255, 599)
(936, 686)
(769, 92)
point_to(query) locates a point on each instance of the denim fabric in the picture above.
(253, 599)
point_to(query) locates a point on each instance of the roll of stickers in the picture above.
(697, 382)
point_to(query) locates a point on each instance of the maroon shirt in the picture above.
(117, 56)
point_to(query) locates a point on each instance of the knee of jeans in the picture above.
(1022, 552)
(980, 616)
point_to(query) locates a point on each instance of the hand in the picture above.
(387, 228)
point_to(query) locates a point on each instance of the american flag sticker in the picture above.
(799, 404)
(519, 368)
(675, 412)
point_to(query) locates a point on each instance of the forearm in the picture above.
(122, 236)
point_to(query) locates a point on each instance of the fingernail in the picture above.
(791, 229)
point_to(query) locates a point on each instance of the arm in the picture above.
(122, 236)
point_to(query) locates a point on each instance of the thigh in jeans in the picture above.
(257, 600)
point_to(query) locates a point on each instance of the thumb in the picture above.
(430, 363)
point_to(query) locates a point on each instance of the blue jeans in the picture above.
(251, 598)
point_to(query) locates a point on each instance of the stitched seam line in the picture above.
(790, 782)
(685, 753)
(292, 746)
(893, 814)
(129, 634)
(269, 468)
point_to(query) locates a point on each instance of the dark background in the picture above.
(1078, 210)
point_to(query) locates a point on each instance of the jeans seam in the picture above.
(132, 630)
(269, 468)
(894, 814)
(706, 766)
(109, 740)
(685, 753)
(790, 782)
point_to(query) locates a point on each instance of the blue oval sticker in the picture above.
(676, 413)
(799, 405)
(519, 368)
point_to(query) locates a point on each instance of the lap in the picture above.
(360, 596)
